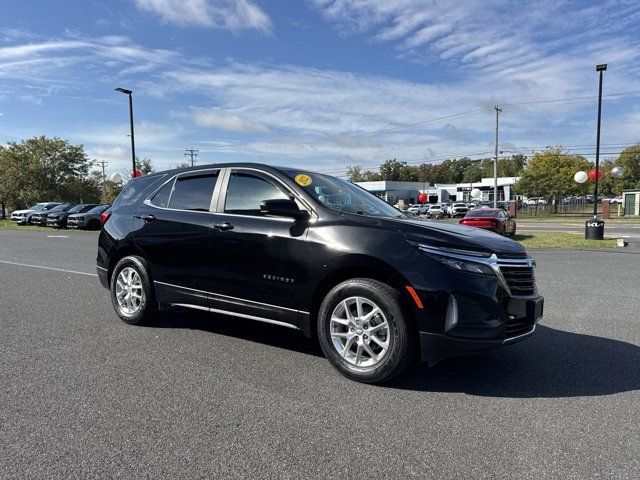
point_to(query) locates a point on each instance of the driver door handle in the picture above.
(223, 226)
(148, 218)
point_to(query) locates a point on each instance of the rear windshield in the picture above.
(135, 189)
(482, 213)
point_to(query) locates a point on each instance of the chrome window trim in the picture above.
(214, 195)
(493, 262)
(230, 297)
(235, 314)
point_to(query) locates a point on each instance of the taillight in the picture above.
(104, 217)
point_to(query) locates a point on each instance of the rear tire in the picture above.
(364, 332)
(131, 291)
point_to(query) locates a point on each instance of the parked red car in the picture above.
(493, 219)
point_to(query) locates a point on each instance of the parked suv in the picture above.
(40, 218)
(318, 254)
(23, 217)
(90, 220)
(59, 219)
(459, 209)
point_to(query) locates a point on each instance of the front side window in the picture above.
(247, 190)
(193, 192)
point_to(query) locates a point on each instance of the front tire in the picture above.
(364, 332)
(131, 291)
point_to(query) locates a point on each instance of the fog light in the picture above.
(452, 314)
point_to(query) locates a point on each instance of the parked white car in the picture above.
(23, 217)
(418, 209)
(458, 209)
(536, 201)
(435, 210)
(616, 200)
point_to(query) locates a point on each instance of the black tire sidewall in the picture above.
(148, 307)
(387, 299)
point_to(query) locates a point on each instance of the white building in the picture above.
(393, 192)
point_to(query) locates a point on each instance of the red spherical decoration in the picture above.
(592, 174)
(422, 198)
(137, 173)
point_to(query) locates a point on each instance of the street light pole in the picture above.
(495, 163)
(601, 69)
(133, 142)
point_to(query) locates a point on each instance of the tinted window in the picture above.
(77, 208)
(193, 192)
(60, 208)
(161, 198)
(134, 189)
(99, 209)
(246, 191)
(87, 208)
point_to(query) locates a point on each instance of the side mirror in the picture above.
(283, 208)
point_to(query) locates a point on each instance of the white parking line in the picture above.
(48, 268)
(57, 236)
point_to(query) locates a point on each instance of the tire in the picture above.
(396, 335)
(141, 310)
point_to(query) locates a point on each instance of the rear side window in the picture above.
(161, 198)
(193, 192)
(134, 190)
(246, 191)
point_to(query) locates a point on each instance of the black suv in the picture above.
(318, 254)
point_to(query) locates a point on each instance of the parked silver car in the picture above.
(23, 217)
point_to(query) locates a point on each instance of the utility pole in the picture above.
(191, 152)
(133, 142)
(495, 162)
(104, 181)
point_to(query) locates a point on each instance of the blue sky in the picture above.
(319, 84)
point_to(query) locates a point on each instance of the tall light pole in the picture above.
(594, 229)
(133, 142)
(495, 162)
(601, 69)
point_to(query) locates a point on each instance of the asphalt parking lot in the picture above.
(197, 396)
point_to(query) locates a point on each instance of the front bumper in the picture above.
(476, 332)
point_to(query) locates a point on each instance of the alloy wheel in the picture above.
(129, 292)
(360, 331)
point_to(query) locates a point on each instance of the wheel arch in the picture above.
(358, 266)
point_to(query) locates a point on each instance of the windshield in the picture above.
(59, 208)
(77, 208)
(37, 207)
(98, 209)
(342, 196)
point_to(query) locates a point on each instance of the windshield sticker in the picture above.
(303, 180)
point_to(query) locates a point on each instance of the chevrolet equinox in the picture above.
(318, 254)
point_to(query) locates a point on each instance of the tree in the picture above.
(629, 160)
(355, 173)
(144, 165)
(42, 168)
(550, 174)
(391, 170)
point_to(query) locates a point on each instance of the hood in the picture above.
(448, 235)
(23, 211)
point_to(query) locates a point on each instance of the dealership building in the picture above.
(407, 192)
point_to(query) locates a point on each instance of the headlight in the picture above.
(462, 260)
(465, 265)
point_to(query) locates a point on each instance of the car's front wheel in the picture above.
(364, 332)
(131, 291)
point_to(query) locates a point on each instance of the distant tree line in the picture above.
(543, 174)
(51, 169)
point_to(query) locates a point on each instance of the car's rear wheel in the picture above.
(131, 291)
(363, 331)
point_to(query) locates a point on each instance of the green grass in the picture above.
(571, 219)
(562, 240)
(9, 225)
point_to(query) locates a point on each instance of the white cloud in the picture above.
(226, 14)
(214, 118)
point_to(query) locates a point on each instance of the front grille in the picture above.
(519, 279)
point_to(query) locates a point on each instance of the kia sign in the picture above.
(594, 230)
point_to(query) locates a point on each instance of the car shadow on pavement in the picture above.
(552, 363)
(250, 330)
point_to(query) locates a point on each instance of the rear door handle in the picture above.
(148, 218)
(223, 226)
